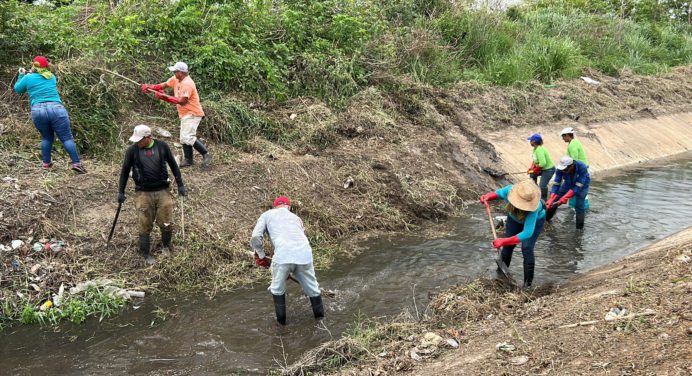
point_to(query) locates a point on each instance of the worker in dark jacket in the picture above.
(572, 179)
(147, 159)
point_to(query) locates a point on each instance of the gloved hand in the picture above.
(162, 96)
(565, 198)
(501, 242)
(261, 262)
(490, 196)
(182, 191)
(145, 88)
(121, 197)
(551, 199)
(532, 169)
(21, 71)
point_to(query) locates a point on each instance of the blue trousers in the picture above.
(50, 118)
(579, 198)
(512, 228)
(546, 176)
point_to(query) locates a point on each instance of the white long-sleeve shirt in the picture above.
(286, 233)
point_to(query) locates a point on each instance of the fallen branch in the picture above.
(593, 322)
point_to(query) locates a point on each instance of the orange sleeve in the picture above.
(172, 82)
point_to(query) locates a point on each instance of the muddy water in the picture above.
(236, 332)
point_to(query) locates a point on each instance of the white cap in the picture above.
(565, 162)
(140, 132)
(567, 131)
(178, 67)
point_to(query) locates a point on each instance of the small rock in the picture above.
(689, 331)
(504, 346)
(293, 116)
(452, 343)
(16, 244)
(519, 360)
(359, 129)
(162, 132)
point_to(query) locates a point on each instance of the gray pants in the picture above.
(305, 274)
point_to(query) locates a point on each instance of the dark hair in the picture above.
(538, 142)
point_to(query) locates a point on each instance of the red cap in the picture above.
(282, 200)
(41, 61)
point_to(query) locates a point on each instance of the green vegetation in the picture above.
(272, 51)
(75, 308)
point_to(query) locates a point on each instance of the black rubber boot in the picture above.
(167, 239)
(317, 306)
(187, 156)
(580, 221)
(206, 156)
(280, 308)
(144, 246)
(528, 275)
(550, 213)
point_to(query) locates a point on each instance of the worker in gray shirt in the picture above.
(292, 255)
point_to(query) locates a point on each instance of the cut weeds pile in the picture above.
(631, 317)
(387, 162)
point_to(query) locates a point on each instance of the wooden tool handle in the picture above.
(490, 217)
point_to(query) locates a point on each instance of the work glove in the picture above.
(121, 197)
(551, 199)
(21, 71)
(261, 262)
(162, 96)
(565, 198)
(490, 196)
(145, 88)
(182, 191)
(501, 242)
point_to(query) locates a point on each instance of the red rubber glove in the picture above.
(261, 262)
(532, 169)
(490, 196)
(563, 200)
(501, 242)
(145, 88)
(162, 96)
(551, 199)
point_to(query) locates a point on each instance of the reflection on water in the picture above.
(237, 331)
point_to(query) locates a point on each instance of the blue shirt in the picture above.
(531, 218)
(577, 181)
(40, 89)
(286, 233)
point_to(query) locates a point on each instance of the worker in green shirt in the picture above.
(542, 165)
(574, 148)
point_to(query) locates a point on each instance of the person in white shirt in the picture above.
(292, 255)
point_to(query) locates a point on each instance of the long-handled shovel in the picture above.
(500, 264)
(115, 221)
(129, 80)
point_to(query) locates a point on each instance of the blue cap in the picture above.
(535, 138)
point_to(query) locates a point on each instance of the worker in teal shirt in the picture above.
(572, 179)
(525, 220)
(47, 111)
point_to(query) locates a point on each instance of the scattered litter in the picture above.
(4, 248)
(83, 286)
(109, 289)
(452, 343)
(163, 133)
(15, 265)
(415, 356)
(35, 287)
(683, 259)
(35, 268)
(348, 183)
(615, 313)
(293, 116)
(431, 338)
(45, 245)
(46, 305)
(8, 179)
(590, 80)
(504, 346)
(519, 360)
(16, 244)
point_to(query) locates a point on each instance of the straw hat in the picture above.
(525, 195)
